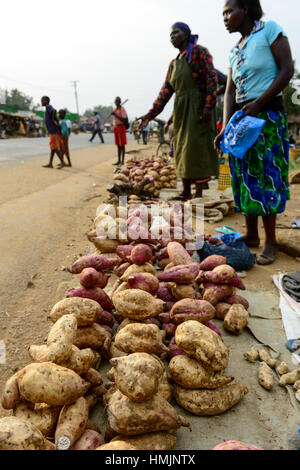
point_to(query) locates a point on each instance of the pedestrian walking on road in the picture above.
(261, 67)
(146, 134)
(53, 127)
(193, 80)
(65, 134)
(120, 120)
(97, 128)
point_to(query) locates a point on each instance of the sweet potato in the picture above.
(282, 368)
(238, 299)
(139, 337)
(174, 350)
(181, 274)
(95, 337)
(11, 395)
(86, 311)
(137, 376)
(151, 441)
(61, 338)
(93, 377)
(210, 402)
(120, 270)
(201, 343)
(201, 277)
(141, 254)
(51, 384)
(210, 324)
(265, 376)
(296, 386)
(124, 252)
(164, 293)
(252, 355)
(97, 294)
(90, 440)
(178, 254)
(212, 262)
(89, 278)
(71, 424)
(170, 329)
(265, 357)
(43, 417)
(135, 269)
(132, 419)
(236, 445)
(237, 282)
(190, 374)
(98, 262)
(216, 294)
(136, 304)
(144, 281)
(189, 309)
(115, 352)
(290, 378)
(17, 434)
(181, 291)
(222, 308)
(221, 274)
(117, 445)
(236, 319)
(165, 390)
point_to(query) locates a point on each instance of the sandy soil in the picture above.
(44, 215)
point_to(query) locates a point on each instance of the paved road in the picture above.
(14, 151)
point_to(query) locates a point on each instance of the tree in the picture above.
(104, 111)
(17, 100)
(290, 93)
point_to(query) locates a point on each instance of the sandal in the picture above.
(265, 260)
(181, 197)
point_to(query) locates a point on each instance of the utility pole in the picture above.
(74, 83)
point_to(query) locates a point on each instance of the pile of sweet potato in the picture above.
(200, 386)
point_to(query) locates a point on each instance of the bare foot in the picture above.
(59, 167)
(268, 255)
(47, 166)
(251, 242)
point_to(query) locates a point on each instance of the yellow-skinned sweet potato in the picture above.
(165, 390)
(43, 417)
(290, 378)
(117, 445)
(95, 337)
(51, 384)
(265, 376)
(71, 423)
(136, 304)
(61, 338)
(132, 419)
(210, 402)
(265, 357)
(203, 344)
(139, 337)
(11, 395)
(17, 434)
(135, 269)
(86, 311)
(236, 319)
(190, 374)
(137, 376)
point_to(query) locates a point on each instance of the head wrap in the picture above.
(192, 39)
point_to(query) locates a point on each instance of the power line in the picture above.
(32, 85)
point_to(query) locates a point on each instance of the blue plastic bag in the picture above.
(240, 136)
(237, 254)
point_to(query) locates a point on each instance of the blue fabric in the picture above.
(193, 38)
(240, 136)
(253, 66)
(65, 132)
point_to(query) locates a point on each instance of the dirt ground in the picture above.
(44, 216)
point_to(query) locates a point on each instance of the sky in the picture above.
(113, 48)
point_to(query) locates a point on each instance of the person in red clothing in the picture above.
(120, 118)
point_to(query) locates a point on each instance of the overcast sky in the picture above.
(112, 47)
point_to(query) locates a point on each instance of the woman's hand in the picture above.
(218, 140)
(144, 123)
(250, 109)
(206, 115)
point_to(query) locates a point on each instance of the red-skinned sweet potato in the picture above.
(120, 270)
(90, 278)
(181, 274)
(218, 293)
(98, 262)
(222, 308)
(141, 254)
(144, 281)
(96, 294)
(211, 262)
(178, 254)
(124, 252)
(238, 299)
(164, 293)
(189, 309)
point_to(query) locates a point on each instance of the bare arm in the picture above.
(229, 100)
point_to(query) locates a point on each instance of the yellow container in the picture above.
(294, 153)
(224, 180)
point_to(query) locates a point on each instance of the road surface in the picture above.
(19, 150)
